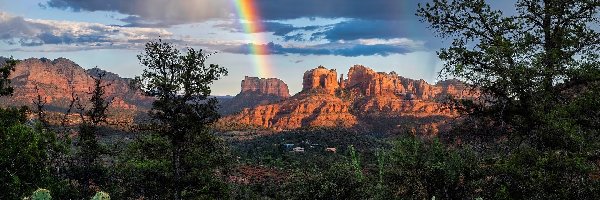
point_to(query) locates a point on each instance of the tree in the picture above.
(524, 64)
(88, 169)
(7, 67)
(26, 156)
(182, 110)
(539, 75)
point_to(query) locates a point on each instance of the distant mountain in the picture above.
(366, 99)
(56, 80)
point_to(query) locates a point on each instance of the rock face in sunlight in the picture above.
(365, 98)
(321, 78)
(56, 80)
(267, 86)
(303, 109)
(364, 81)
(256, 91)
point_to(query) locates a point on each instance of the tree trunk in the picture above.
(177, 167)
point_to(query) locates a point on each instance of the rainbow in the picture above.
(252, 25)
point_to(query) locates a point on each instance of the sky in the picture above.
(263, 38)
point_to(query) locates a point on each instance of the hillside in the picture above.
(60, 80)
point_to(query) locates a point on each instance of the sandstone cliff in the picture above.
(267, 86)
(365, 98)
(56, 80)
(366, 82)
(322, 79)
(302, 110)
(255, 91)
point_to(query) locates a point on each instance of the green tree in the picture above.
(182, 110)
(88, 169)
(539, 76)
(524, 64)
(8, 66)
(146, 168)
(417, 169)
(339, 181)
(101, 196)
(27, 150)
(40, 194)
(26, 156)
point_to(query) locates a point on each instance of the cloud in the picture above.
(369, 10)
(288, 32)
(348, 49)
(34, 32)
(53, 35)
(372, 19)
(342, 31)
(172, 12)
(152, 12)
(374, 29)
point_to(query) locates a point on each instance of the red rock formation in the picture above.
(364, 81)
(56, 81)
(256, 91)
(321, 78)
(268, 86)
(364, 96)
(302, 110)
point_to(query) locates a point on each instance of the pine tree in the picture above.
(182, 110)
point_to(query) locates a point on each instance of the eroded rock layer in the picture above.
(267, 86)
(256, 91)
(58, 81)
(365, 95)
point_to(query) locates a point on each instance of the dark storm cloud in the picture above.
(338, 49)
(356, 9)
(152, 12)
(162, 12)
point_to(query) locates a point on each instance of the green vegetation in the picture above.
(40, 194)
(182, 112)
(87, 169)
(533, 134)
(101, 196)
(5, 70)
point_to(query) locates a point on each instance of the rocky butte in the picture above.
(256, 91)
(366, 99)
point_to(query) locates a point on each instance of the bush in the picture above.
(101, 196)
(40, 194)
(26, 156)
(419, 169)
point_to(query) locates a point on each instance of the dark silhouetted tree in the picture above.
(525, 64)
(182, 110)
(5, 71)
(89, 170)
(538, 71)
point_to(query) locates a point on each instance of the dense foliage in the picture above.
(183, 112)
(26, 156)
(536, 123)
(533, 134)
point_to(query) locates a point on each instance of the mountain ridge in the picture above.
(366, 95)
(363, 99)
(60, 80)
